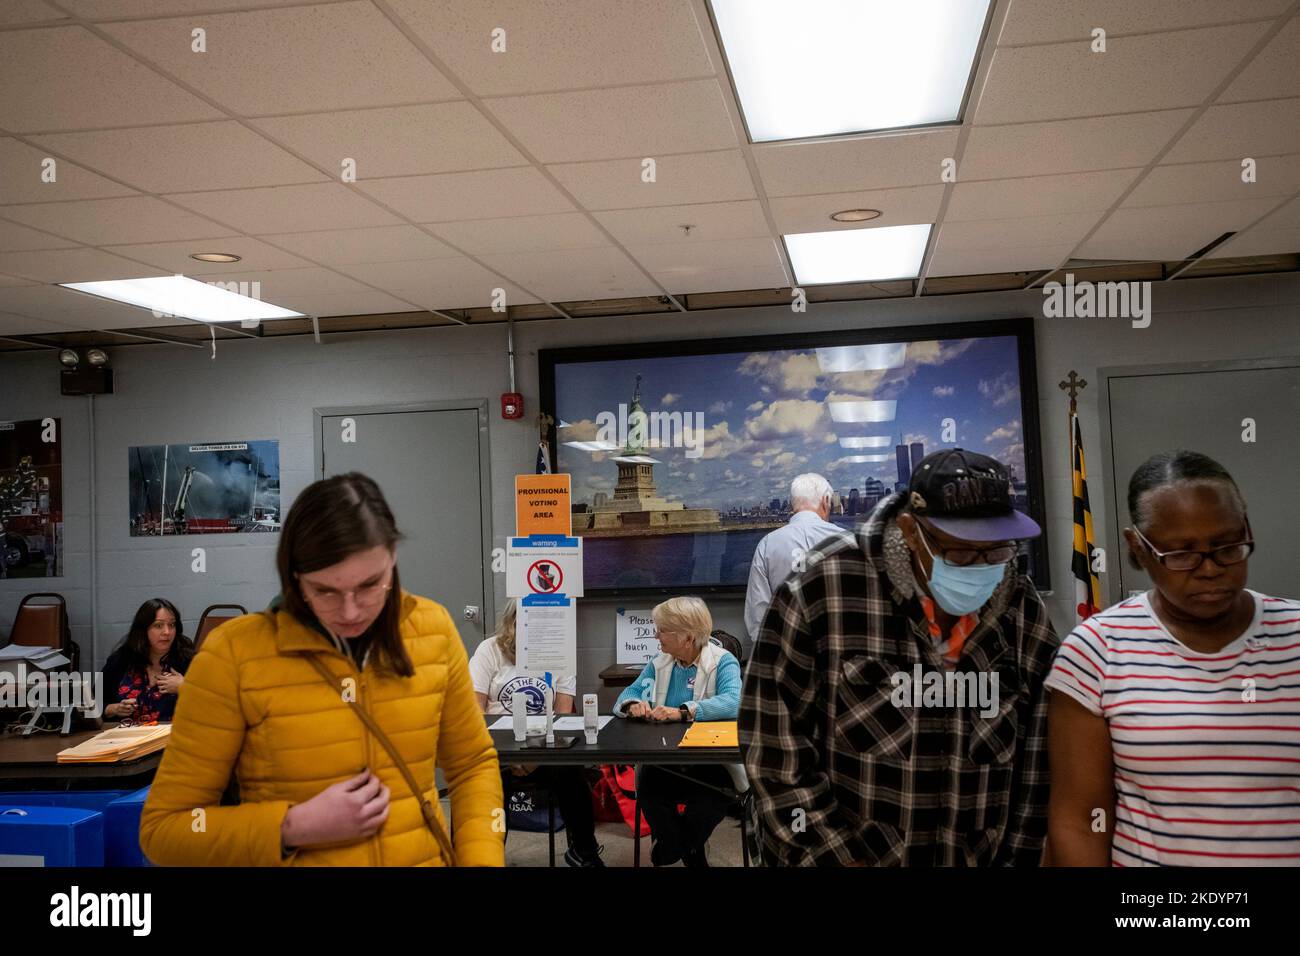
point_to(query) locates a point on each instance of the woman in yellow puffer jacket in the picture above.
(317, 788)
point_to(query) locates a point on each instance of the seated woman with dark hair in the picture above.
(144, 675)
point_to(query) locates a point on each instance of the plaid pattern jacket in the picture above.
(841, 774)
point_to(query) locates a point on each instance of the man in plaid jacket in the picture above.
(893, 711)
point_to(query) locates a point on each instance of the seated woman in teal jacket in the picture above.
(692, 679)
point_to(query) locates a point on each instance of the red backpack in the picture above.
(613, 797)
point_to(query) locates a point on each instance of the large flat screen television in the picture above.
(682, 453)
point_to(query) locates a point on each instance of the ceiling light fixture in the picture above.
(855, 215)
(215, 256)
(830, 67)
(858, 255)
(185, 297)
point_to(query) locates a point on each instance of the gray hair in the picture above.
(686, 615)
(809, 491)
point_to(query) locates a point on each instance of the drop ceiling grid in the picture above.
(684, 66)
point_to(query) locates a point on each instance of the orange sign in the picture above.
(542, 505)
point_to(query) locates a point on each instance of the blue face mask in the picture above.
(962, 590)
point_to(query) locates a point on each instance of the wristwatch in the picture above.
(686, 713)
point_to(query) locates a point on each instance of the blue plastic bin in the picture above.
(51, 836)
(122, 830)
(82, 799)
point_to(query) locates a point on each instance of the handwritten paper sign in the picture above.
(635, 636)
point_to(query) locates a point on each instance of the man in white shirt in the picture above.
(778, 553)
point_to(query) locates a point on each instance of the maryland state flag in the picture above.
(1087, 586)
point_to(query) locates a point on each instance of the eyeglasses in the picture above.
(367, 596)
(965, 557)
(1225, 556)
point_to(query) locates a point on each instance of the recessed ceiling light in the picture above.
(215, 256)
(855, 215)
(858, 255)
(184, 297)
(828, 67)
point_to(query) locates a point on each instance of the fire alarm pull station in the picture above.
(512, 405)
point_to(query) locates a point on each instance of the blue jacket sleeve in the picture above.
(725, 702)
(636, 689)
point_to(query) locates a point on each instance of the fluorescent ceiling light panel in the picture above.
(872, 441)
(592, 445)
(185, 297)
(850, 410)
(858, 255)
(828, 67)
(861, 459)
(862, 358)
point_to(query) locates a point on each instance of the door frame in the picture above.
(1114, 582)
(478, 405)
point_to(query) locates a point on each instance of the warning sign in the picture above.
(542, 505)
(544, 564)
(546, 577)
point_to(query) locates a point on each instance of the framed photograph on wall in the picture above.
(682, 453)
(31, 498)
(212, 488)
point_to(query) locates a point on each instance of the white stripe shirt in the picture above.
(1206, 746)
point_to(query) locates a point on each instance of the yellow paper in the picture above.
(712, 733)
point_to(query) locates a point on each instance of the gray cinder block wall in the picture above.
(268, 388)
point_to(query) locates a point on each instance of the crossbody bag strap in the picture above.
(426, 807)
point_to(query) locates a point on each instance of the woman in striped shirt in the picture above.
(1175, 736)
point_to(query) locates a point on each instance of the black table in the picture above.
(622, 740)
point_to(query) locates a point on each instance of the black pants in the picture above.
(676, 833)
(573, 796)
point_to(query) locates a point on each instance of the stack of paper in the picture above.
(712, 733)
(122, 743)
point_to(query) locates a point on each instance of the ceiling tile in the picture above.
(1040, 21)
(72, 265)
(348, 55)
(599, 273)
(1068, 146)
(21, 169)
(713, 265)
(964, 262)
(53, 304)
(11, 324)
(337, 247)
(1217, 182)
(29, 11)
(67, 78)
(898, 207)
(853, 165)
(397, 141)
(628, 121)
(486, 194)
(1261, 242)
(1060, 229)
(1286, 216)
(275, 209)
(1155, 233)
(594, 42)
(1273, 72)
(349, 303)
(15, 238)
(439, 283)
(276, 285)
(15, 280)
(164, 159)
(100, 222)
(174, 257)
(570, 230)
(1149, 72)
(688, 178)
(1238, 130)
(719, 220)
(100, 9)
(1039, 195)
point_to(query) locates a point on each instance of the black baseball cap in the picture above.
(968, 496)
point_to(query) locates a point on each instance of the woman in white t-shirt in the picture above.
(495, 678)
(1172, 712)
